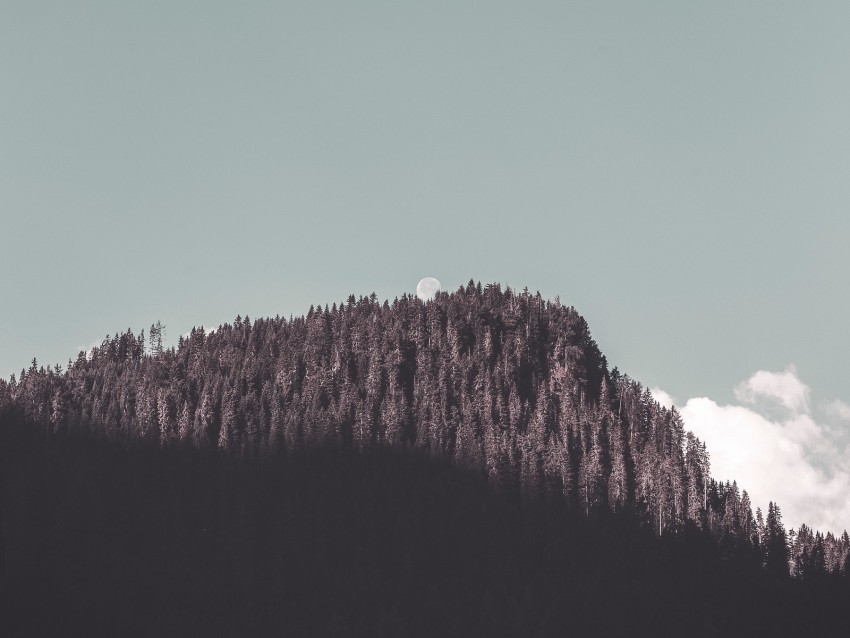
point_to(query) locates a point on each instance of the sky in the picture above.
(677, 171)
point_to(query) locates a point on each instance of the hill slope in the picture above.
(483, 396)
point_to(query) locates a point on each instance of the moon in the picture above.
(427, 288)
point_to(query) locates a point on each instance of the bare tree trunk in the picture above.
(659, 516)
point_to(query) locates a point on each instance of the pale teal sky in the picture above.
(680, 172)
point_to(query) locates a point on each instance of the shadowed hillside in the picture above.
(102, 539)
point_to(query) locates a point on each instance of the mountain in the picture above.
(465, 466)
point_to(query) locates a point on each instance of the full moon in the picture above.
(427, 288)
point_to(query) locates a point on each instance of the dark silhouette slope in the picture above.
(103, 539)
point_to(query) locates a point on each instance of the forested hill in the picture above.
(504, 382)
(505, 385)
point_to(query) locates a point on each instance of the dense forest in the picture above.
(464, 466)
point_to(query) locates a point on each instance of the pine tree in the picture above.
(590, 470)
(184, 422)
(58, 410)
(776, 559)
(156, 335)
(227, 434)
(167, 416)
(204, 421)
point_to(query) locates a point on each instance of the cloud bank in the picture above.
(783, 387)
(776, 449)
(662, 397)
(838, 409)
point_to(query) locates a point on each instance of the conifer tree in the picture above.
(776, 550)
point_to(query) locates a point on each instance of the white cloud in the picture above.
(839, 410)
(662, 397)
(792, 460)
(783, 387)
(207, 331)
(88, 349)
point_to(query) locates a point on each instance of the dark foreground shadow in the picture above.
(99, 538)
